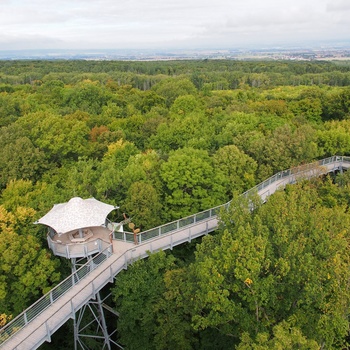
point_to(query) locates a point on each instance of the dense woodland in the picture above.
(164, 140)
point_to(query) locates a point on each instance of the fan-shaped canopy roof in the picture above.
(75, 214)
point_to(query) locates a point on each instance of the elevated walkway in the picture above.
(36, 324)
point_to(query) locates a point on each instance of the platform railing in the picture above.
(73, 250)
(55, 293)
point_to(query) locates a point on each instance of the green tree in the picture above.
(79, 179)
(284, 337)
(171, 88)
(190, 183)
(190, 131)
(310, 109)
(20, 159)
(88, 96)
(150, 99)
(237, 167)
(143, 204)
(39, 196)
(61, 138)
(184, 105)
(137, 293)
(335, 138)
(109, 183)
(142, 167)
(173, 314)
(285, 261)
(282, 149)
(10, 109)
(337, 104)
(27, 270)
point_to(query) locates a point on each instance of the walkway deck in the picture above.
(36, 324)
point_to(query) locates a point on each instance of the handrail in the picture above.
(48, 299)
(297, 171)
(72, 250)
(211, 213)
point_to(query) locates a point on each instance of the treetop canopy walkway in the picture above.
(37, 323)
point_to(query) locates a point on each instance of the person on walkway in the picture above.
(135, 231)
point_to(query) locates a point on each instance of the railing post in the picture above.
(72, 308)
(91, 265)
(111, 273)
(48, 332)
(93, 290)
(25, 318)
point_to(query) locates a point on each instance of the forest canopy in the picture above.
(164, 140)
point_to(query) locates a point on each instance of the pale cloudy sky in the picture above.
(123, 24)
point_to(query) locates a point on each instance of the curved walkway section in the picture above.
(264, 189)
(35, 325)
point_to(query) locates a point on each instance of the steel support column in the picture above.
(90, 323)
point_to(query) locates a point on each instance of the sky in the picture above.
(177, 24)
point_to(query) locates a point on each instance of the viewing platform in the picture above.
(70, 245)
(78, 228)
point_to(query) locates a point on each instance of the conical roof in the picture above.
(75, 214)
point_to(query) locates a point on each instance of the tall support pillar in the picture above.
(90, 328)
(103, 322)
(89, 322)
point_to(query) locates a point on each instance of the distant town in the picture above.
(300, 54)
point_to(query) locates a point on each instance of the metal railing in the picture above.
(73, 250)
(285, 177)
(289, 176)
(48, 299)
(297, 172)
